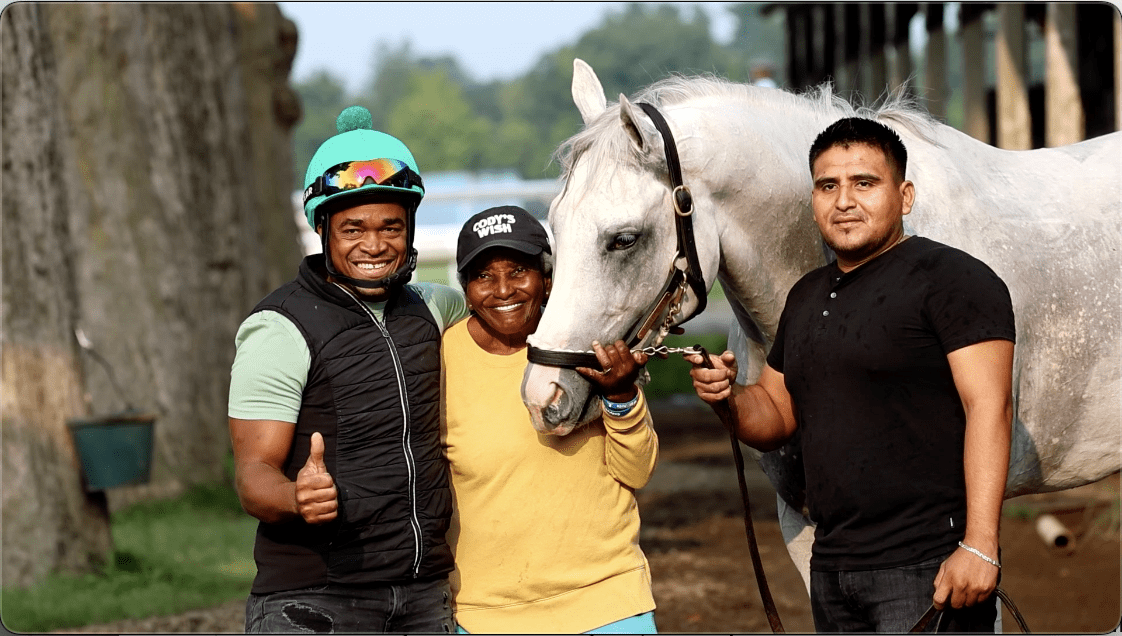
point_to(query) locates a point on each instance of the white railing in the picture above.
(436, 243)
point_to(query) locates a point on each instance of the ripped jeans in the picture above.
(418, 606)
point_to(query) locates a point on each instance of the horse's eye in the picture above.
(623, 242)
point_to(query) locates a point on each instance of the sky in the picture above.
(491, 40)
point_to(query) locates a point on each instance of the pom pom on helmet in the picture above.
(327, 179)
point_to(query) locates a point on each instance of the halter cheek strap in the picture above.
(685, 271)
(683, 211)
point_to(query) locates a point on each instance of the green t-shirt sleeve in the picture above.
(270, 369)
(272, 360)
(447, 305)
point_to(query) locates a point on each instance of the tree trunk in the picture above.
(48, 521)
(159, 215)
(180, 116)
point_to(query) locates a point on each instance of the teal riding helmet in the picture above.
(361, 162)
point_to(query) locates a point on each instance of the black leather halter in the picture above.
(685, 271)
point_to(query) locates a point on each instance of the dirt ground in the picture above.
(695, 541)
(693, 535)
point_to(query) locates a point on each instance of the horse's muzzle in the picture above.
(557, 399)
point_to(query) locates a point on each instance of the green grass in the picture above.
(170, 556)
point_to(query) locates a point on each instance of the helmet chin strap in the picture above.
(396, 279)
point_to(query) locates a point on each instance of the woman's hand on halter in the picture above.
(620, 367)
(713, 385)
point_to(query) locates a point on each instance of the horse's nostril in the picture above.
(554, 414)
(551, 416)
(558, 410)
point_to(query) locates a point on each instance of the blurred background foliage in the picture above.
(453, 122)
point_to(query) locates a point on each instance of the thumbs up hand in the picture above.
(317, 501)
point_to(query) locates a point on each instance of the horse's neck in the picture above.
(982, 199)
(757, 270)
(755, 169)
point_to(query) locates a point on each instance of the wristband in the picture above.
(978, 553)
(619, 409)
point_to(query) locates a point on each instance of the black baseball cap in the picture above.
(502, 226)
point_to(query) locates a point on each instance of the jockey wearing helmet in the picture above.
(361, 164)
(350, 486)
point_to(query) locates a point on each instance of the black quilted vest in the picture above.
(373, 392)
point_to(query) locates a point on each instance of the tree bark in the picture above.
(147, 187)
(180, 116)
(48, 521)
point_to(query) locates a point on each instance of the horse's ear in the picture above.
(588, 94)
(643, 134)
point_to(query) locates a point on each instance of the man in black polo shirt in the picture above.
(895, 362)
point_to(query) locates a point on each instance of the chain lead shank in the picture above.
(663, 350)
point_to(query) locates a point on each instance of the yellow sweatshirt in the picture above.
(545, 529)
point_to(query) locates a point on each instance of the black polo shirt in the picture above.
(864, 357)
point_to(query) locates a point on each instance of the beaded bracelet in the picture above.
(978, 553)
(619, 409)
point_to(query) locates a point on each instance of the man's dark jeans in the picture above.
(421, 606)
(890, 600)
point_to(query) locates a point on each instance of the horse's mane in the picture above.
(607, 142)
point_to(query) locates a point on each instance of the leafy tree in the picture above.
(392, 78)
(543, 99)
(393, 68)
(645, 43)
(438, 124)
(759, 37)
(485, 98)
(323, 97)
(517, 145)
(629, 50)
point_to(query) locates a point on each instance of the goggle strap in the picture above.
(313, 190)
(410, 179)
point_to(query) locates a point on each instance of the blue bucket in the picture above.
(115, 450)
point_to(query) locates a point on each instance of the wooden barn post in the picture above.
(935, 80)
(1063, 106)
(1014, 121)
(976, 121)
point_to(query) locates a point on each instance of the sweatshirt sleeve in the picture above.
(631, 448)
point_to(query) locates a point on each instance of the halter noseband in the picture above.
(685, 271)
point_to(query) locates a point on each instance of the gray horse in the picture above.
(1047, 221)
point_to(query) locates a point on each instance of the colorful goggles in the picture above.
(351, 175)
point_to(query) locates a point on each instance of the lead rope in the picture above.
(932, 613)
(725, 414)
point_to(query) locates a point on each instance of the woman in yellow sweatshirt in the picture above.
(546, 530)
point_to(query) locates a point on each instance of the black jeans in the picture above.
(890, 600)
(420, 606)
